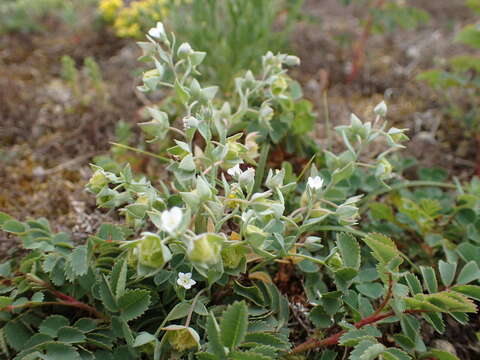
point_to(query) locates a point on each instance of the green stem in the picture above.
(161, 158)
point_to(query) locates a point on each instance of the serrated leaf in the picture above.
(436, 320)
(472, 291)
(384, 249)
(438, 355)
(118, 278)
(86, 324)
(469, 273)
(263, 338)
(215, 344)
(353, 337)
(59, 351)
(395, 354)
(349, 250)
(17, 334)
(133, 303)
(107, 296)
(429, 279)
(414, 284)
(248, 355)
(79, 260)
(71, 335)
(447, 272)
(233, 327)
(366, 350)
(52, 324)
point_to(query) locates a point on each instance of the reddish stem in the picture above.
(333, 340)
(359, 48)
(66, 300)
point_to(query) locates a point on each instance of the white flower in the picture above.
(381, 109)
(185, 280)
(235, 171)
(247, 177)
(171, 219)
(315, 183)
(157, 32)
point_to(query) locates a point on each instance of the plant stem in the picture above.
(334, 339)
(143, 152)
(66, 299)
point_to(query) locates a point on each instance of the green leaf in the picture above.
(469, 273)
(4, 218)
(133, 303)
(252, 293)
(263, 338)
(248, 355)
(234, 324)
(179, 311)
(367, 350)
(143, 338)
(52, 324)
(395, 354)
(86, 324)
(436, 320)
(429, 279)
(447, 272)
(68, 334)
(414, 284)
(343, 173)
(17, 334)
(349, 250)
(469, 35)
(472, 291)
(107, 296)
(79, 260)
(384, 249)
(14, 226)
(118, 279)
(353, 337)
(372, 290)
(438, 355)
(59, 351)
(5, 301)
(214, 340)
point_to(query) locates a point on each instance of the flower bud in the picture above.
(182, 338)
(158, 32)
(98, 181)
(291, 60)
(383, 170)
(205, 249)
(247, 178)
(184, 51)
(152, 252)
(381, 109)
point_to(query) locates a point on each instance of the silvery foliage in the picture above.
(224, 215)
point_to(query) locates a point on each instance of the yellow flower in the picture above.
(109, 8)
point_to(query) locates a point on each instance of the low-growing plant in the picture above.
(26, 15)
(86, 84)
(384, 16)
(458, 84)
(220, 262)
